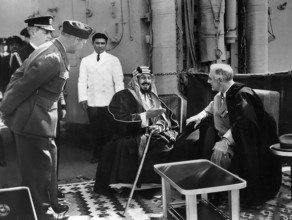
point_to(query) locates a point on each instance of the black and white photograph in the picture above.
(145, 109)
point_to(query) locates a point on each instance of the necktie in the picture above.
(98, 57)
(222, 99)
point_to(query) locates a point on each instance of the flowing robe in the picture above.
(121, 156)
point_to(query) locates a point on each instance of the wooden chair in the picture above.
(177, 105)
(271, 101)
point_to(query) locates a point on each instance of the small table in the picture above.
(283, 153)
(195, 177)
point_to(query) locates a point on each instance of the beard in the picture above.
(145, 91)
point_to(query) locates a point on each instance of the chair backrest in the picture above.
(175, 103)
(271, 101)
(16, 204)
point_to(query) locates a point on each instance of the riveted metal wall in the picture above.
(128, 24)
(124, 21)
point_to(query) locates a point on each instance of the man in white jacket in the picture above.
(100, 77)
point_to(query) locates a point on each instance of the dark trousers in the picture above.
(38, 161)
(2, 153)
(100, 126)
(58, 143)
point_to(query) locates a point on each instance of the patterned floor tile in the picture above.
(86, 204)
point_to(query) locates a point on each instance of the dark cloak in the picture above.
(253, 131)
(120, 158)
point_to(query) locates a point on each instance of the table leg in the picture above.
(191, 207)
(234, 206)
(166, 196)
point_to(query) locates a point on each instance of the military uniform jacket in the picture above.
(5, 72)
(20, 56)
(30, 107)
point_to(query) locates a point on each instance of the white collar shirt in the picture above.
(34, 46)
(221, 116)
(99, 80)
(224, 93)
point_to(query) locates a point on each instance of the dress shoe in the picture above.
(52, 215)
(55, 217)
(61, 209)
(94, 160)
(149, 193)
(61, 195)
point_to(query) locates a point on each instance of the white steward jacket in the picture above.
(99, 81)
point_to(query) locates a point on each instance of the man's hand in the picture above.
(63, 114)
(220, 150)
(196, 119)
(222, 146)
(156, 128)
(152, 113)
(220, 155)
(84, 105)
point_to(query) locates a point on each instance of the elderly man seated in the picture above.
(236, 132)
(136, 111)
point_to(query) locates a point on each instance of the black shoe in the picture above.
(94, 160)
(54, 216)
(149, 193)
(121, 192)
(61, 209)
(61, 195)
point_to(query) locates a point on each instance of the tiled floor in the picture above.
(85, 204)
(75, 167)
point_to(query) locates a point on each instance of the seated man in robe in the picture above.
(136, 111)
(236, 132)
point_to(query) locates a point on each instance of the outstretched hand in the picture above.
(195, 120)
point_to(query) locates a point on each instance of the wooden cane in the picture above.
(138, 173)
